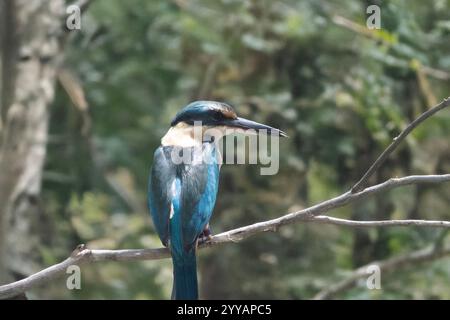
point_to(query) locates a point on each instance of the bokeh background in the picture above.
(309, 67)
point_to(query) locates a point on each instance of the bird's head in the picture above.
(211, 118)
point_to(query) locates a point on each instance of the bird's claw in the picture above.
(205, 236)
(204, 239)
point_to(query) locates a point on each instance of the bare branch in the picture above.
(80, 256)
(312, 214)
(397, 140)
(325, 206)
(379, 223)
(392, 264)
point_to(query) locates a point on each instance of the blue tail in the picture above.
(185, 285)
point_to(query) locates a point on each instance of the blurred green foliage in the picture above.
(340, 94)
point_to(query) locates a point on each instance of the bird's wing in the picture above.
(198, 195)
(160, 193)
(186, 190)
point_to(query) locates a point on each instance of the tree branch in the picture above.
(396, 141)
(392, 264)
(312, 214)
(325, 206)
(378, 223)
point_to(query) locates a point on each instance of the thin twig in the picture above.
(392, 264)
(311, 214)
(379, 223)
(360, 185)
(325, 206)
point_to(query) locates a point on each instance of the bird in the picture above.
(182, 194)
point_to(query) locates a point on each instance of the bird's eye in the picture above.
(217, 115)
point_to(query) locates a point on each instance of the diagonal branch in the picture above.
(83, 255)
(392, 264)
(361, 184)
(325, 206)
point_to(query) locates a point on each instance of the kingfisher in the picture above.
(184, 181)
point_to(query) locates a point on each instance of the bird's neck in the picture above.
(185, 136)
(182, 135)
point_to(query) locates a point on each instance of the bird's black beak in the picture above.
(252, 125)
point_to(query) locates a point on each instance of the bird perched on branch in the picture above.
(184, 181)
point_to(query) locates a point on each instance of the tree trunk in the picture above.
(30, 50)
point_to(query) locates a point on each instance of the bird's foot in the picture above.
(205, 236)
(204, 239)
